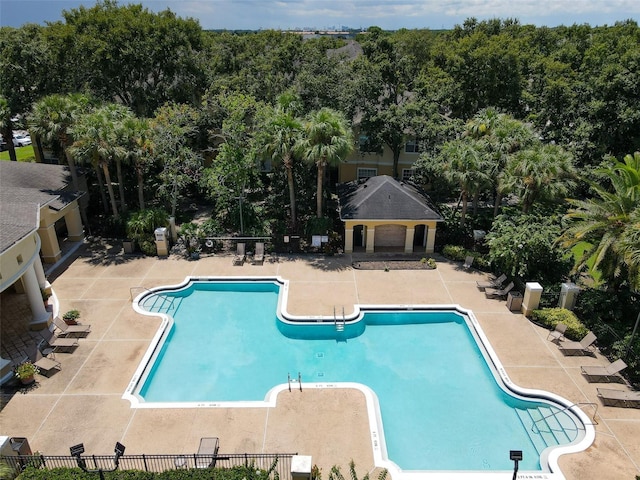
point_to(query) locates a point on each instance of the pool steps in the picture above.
(162, 303)
(545, 428)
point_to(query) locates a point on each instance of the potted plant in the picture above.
(45, 297)
(26, 372)
(71, 317)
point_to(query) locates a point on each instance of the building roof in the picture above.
(383, 198)
(24, 189)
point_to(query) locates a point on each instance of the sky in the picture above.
(334, 14)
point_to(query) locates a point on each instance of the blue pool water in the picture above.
(441, 406)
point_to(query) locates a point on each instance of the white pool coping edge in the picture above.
(376, 430)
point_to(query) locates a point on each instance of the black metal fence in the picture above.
(159, 463)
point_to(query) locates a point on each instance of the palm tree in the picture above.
(137, 134)
(327, 140)
(461, 162)
(51, 119)
(96, 142)
(610, 223)
(543, 172)
(116, 115)
(501, 137)
(283, 134)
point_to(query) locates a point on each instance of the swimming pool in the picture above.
(405, 354)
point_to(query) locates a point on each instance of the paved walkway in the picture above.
(82, 402)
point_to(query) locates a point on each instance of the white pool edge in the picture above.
(550, 456)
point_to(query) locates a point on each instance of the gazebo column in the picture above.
(50, 248)
(431, 239)
(41, 316)
(371, 237)
(348, 239)
(74, 224)
(408, 240)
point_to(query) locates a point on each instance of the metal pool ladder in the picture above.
(339, 324)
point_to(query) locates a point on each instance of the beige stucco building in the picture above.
(38, 206)
(360, 165)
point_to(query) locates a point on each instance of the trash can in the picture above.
(21, 446)
(514, 301)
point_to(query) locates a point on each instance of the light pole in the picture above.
(78, 450)
(516, 456)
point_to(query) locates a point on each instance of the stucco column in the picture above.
(532, 295)
(39, 269)
(348, 240)
(408, 240)
(74, 224)
(50, 247)
(371, 236)
(431, 239)
(41, 316)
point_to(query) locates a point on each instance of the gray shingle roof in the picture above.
(24, 188)
(383, 198)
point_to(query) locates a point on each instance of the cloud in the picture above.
(390, 14)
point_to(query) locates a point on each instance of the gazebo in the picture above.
(383, 214)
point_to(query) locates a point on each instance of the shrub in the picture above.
(454, 252)
(550, 317)
(71, 315)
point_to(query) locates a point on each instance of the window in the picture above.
(366, 173)
(407, 173)
(411, 146)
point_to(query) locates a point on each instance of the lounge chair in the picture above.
(496, 283)
(498, 293)
(583, 347)
(258, 257)
(610, 373)
(468, 262)
(557, 334)
(45, 364)
(239, 257)
(69, 330)
(619, 398)
(54, 344)
(207, 452)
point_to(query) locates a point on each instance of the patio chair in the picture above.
(619, 398)
(498, 293)
(583, 347)
(557, 334)
(46, 365)
(69, 330)
(207, 452)
(495, 283)
(239, 257)
(610, 373)
(468, 262)
(54, 344)
(258, 257)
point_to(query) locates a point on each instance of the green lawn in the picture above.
(24, 154)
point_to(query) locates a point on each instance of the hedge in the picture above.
(550, 317)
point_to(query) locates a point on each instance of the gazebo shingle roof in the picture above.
(24, 189)
(384, 198)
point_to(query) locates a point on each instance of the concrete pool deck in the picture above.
(82, 402)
